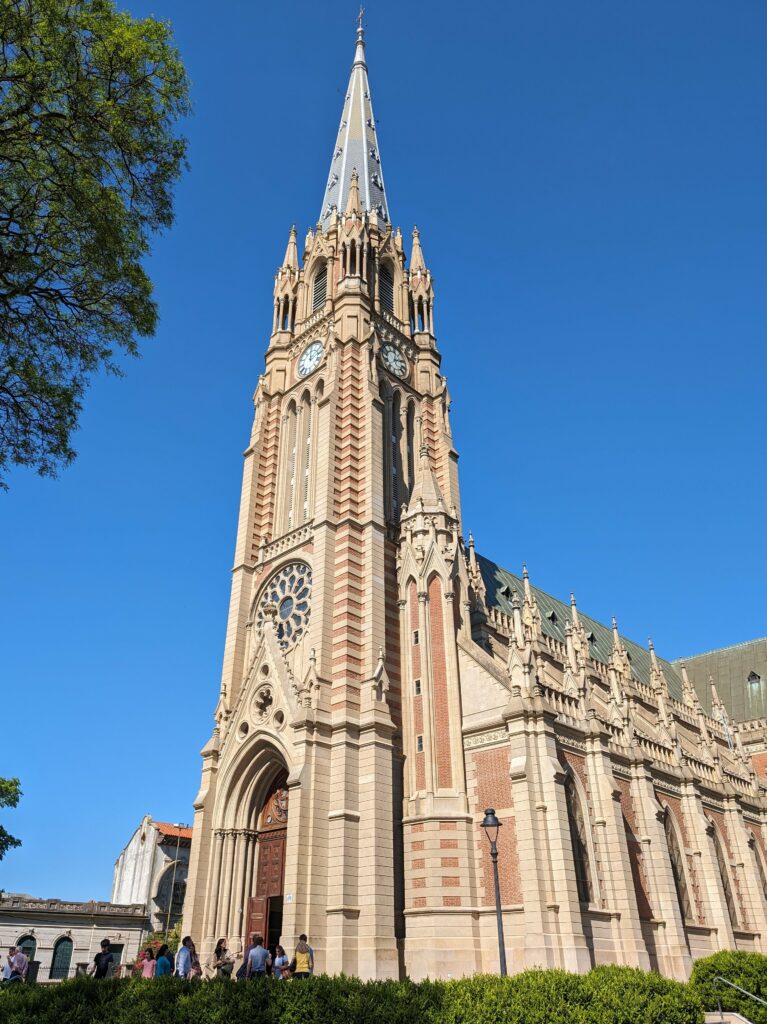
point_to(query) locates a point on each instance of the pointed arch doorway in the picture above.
(264, 913)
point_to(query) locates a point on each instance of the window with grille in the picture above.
(386, 288)
(62, 958)
(579, 842)
(320, 291)
(28, 946)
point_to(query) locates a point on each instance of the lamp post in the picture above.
(491, 826)
(173, 879)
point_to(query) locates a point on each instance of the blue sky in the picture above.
(589, 181)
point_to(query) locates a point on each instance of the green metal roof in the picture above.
(730, 668)
(502, 585)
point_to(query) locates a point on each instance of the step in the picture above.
(727, 1017)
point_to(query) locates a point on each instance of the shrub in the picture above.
(749, 970)
(608, 995)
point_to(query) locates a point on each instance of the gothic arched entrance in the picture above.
(264, 915)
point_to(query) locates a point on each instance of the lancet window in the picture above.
(299, 431)
(677, 868)
(761, 870)
(724, 872)
(386, 288)
(579, 840)
(320, 288)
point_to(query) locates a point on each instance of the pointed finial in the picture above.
(359, 53)
(653, 656)
(574, 611)
(291, 252)
(416, 256)
(353, 200)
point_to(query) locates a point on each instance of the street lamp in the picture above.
(491, 826)
(173, 879)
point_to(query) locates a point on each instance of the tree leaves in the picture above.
(10, 794)
(89, 103)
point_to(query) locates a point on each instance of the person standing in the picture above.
(164, 966)
(149, 964)
(304, 959)
(281, 969)
(19, 963)
(7, 964)
(223, 962)
(184, 957)
(103, 961)
(258, 959)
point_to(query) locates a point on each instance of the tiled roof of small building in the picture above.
(172, 831)
(502, 585)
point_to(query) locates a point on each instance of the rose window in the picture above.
(286, 597)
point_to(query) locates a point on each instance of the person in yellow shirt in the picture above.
(304, 959)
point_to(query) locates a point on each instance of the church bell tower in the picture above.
(337, 731)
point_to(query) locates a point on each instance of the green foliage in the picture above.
(749, 970)
(608, 995)
(89, 101)
(10, 794)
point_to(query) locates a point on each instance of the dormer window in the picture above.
(754, 683)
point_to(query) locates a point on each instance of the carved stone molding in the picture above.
(485, 739)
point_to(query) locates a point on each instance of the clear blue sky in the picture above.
(589, 181)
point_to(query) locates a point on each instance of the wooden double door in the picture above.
(264, 909)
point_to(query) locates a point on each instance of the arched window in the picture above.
(352, 258)
(306, 453)
(28, 945)
(285, 314)
(420, 315)
(410, 447)
(724, 871)
(578, 838)
(320, 290)
(411, 313)
(386, 288)
(761, 871)
(396, 457)
(62, 958)
(677, 868)
(289, 434)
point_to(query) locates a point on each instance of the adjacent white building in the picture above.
(152, 870)
(63, 936)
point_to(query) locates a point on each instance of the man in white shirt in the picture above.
(184, 958)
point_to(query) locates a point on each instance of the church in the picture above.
(384, 683)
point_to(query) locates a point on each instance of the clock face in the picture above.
(310, 358)
(394, 361)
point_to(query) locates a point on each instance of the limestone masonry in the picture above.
(383, 684)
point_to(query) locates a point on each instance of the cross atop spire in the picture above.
(356, 146)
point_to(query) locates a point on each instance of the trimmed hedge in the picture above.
(749, 970)
(607, 995)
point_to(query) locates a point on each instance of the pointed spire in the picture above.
(526, 583)
(416, 256)
(291, 252)
(653, 657)
(353, 199)
(356, 146)
(574, 612)
(426, 493)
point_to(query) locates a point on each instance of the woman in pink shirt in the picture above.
(149, 966)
